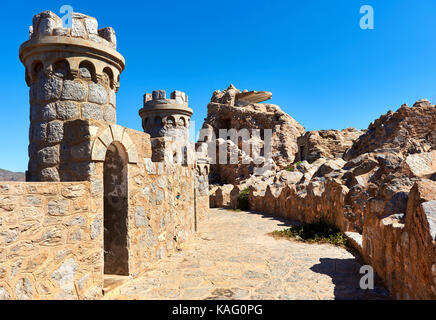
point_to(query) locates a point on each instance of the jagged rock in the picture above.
(326, 143)
(228, 110)
(406, 131)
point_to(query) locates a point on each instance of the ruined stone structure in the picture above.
(232, 109)
(101, 199)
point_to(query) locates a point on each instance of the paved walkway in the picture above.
(233, 257)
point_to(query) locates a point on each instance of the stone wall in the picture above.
(161, 212)
(52, 232)
(51, 238)
(400, 247)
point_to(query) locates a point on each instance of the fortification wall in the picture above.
(51, 239)
(402, 251)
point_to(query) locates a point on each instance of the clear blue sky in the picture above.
(321, 67)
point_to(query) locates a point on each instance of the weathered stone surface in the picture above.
(140, 217)
(408, 130)
(23, 289)
(55, 131)
(74, 90)
(67, 110)
(96, 228)
(49, 174)
(4, 294)
(326, 143)
(64, 275)
(48, 112)
(224, 114)
(429, 208)
(49, 88)
(109, 35)
(97, 93)
(77, 28)
(109, 114)
(92, 111)
(49, 155)
(39, 132)
(91, 25)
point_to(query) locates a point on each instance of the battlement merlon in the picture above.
(50, 42)
(157, 101)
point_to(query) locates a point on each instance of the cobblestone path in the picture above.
(233, 257)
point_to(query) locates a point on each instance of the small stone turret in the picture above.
(163, 117)
(72, 74)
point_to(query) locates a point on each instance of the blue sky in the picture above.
(321, 67)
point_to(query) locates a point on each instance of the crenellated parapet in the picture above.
(162, 117)
(52, 47)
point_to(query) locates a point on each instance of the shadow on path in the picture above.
(345, 275)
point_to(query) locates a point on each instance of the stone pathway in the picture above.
(233, 257)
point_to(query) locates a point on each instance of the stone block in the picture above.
(98, 151)
(150, 166)
(117, 132)
(55, 131)
(96, 227)
(74, 90)
(67, 110)
(23, 289)
(109, 35)
(92, 111)
(109, 114)
(48, 155)
(48, 88)
(106, 137)
(48, 112)
(38, 132)
(97, 93)
(91, 25)
(159, 95)
(140, 217)
(78, 29)
(113, 98)
(133, 155)
(57, 207)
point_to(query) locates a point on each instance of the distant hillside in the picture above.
(6, 175)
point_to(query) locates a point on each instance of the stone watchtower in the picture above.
(163, 117)
(72, 74)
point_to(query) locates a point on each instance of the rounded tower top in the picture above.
(166, 117)
(82, 44)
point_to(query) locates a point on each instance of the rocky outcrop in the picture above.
(233, 109)
(406, 131)
(326, 143)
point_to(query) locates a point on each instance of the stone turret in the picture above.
(163, 117)
(72, 74)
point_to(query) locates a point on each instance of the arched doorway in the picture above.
(116, 255)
